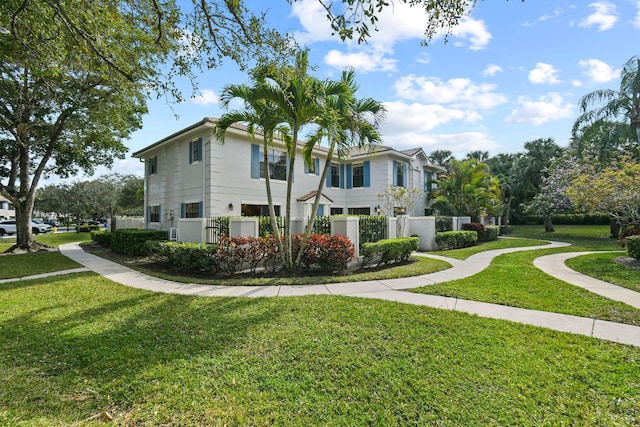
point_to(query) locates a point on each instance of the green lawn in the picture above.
(601, 266)
(464, 253)
(513, 280)
(21, 265)
(154, 359)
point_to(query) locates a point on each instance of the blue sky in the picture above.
(512, 72)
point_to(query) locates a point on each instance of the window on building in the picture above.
(399, 211)
(11, 207)
(400, 174)
(336, 211)
(312, 168)
(154, 213)
(195, 151)
(359, 211)
(153, 165)
(258, 210)
(277, 164)
(358, 176)
(335, 176)
(192, 210)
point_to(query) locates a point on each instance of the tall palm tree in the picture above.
(299, 98)
(346, 122)
(607, 105)
(257, 113)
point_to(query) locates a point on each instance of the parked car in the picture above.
(38, 227)
(8, 227)
(52, 222)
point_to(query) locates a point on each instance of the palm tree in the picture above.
(346, 122)
(299, 99)
(621, 106)
(258, 113)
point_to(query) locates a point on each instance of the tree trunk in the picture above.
(272, 213)
(548, 225)
(24, 238)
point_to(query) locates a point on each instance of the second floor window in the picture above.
(358, 176)
(400, 174)
(153, 165)
(277, 164)
(195, 151)
(335, 176)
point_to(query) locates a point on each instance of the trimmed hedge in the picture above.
(103, 238)
(485, 234)
(130, 241)
(633, 246)
(389, 250)
(564, 219)
(444, 223)
(456, 239)
(491, 232)
(185, 256)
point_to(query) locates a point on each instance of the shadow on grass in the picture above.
(54, 347)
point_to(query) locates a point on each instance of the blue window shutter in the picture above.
(367, 174)
(148, 214)
(341, 176)
(426, 181)
(200, 209)
(190, 152)
(349, 176)
(200, 156)
(404, 175)
(317, 167)
(183, 210)
(320, 211)
(395, 173)
(255, 161)
(328, 183)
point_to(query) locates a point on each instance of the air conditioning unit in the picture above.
(173, 234)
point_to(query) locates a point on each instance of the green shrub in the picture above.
(491, 232)
(477, 227)
(506, 229)
(103, 238)
(389, 250)
(444, 223)
(456, 239)
(184, 256)
(131, 241)
(633, 246)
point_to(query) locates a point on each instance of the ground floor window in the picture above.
(154, 213)
(258, 210)
(336, 211)
(192, 210)
(359, 211)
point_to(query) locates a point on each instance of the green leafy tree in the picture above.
(504, 168)
(609, 117)
(612, 190)
(441, 158)
(470, 188)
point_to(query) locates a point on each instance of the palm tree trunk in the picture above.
(272, 213)
(316, 203)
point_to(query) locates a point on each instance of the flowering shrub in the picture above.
(628, 232)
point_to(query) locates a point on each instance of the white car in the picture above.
(9, 227)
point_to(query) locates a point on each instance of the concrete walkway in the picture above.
(392, 290)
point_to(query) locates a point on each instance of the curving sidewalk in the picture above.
(390, 290)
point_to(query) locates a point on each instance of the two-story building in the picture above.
(191, 174)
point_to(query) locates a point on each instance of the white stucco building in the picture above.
(191, 174)
(7, 210)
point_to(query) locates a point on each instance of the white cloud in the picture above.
(491, 70)
(598, 71)
(543, 73)
(474, 30)
(404, 118)
(360, 61)
(546, 108)
(206, 97)
(604, 16)
(636, 21)
(576, 83)
(460, 92)
(458, 143)
(314, 21)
